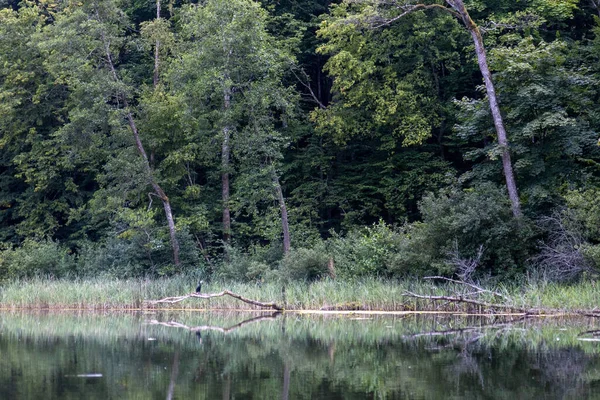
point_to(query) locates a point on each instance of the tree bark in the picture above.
(149, 171)
(511, 185)
(287, 245)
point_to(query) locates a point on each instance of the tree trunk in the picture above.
(287, 245)
(225, 158)
(156, 47)
(138, 142)
(511, 185)
(157, 190)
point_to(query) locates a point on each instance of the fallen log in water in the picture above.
(177, 299)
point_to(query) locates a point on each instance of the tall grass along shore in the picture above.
(331, 295)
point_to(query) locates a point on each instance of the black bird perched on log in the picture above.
(199, 288)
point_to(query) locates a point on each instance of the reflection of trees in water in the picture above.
(563, 369)
(520, 371)
(296, 358)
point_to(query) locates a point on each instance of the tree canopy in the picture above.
(217, 136)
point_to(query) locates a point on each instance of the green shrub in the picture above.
(138, 255)
(242, 267)
(305, 264)
(585, 208)
(365, 252)
(36, 258)
(457, 225)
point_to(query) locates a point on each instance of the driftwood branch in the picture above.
(177, 299)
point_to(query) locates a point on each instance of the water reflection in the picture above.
(270, 356)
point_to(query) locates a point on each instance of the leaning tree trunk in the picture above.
(511, 185)
(148, 168)
(287, 245)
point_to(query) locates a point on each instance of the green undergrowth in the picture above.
(330, 295)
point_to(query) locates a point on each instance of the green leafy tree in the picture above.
(362, 16)
(548, 98)
(231, 70)
(87, 42)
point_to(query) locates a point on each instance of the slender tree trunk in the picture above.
(511, 185)
(156, 48)
(157, 189)
(138, 142)
(225, 159)
(287, 244)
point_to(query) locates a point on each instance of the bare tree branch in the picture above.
(478, 288)
(177, 299)
(409, 9)
(304, 80)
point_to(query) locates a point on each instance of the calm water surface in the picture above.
(263, 356)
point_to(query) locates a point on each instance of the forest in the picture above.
(300, 139)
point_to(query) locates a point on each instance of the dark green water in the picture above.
(240, 356)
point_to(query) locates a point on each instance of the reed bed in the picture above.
(367, 294)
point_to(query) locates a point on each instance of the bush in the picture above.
(365, 252)
(465, 226)
(36, 258)
(362, 252)
(305, 264)
(138, 255)
(243, 267)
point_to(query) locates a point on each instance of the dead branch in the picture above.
(304, 80)
(478, 288)
(409, 9)
(177, 299)
(521, 310)
(560, 257)
(465, 267)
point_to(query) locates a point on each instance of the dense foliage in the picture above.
(137, 143)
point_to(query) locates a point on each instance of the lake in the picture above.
(291, 356)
